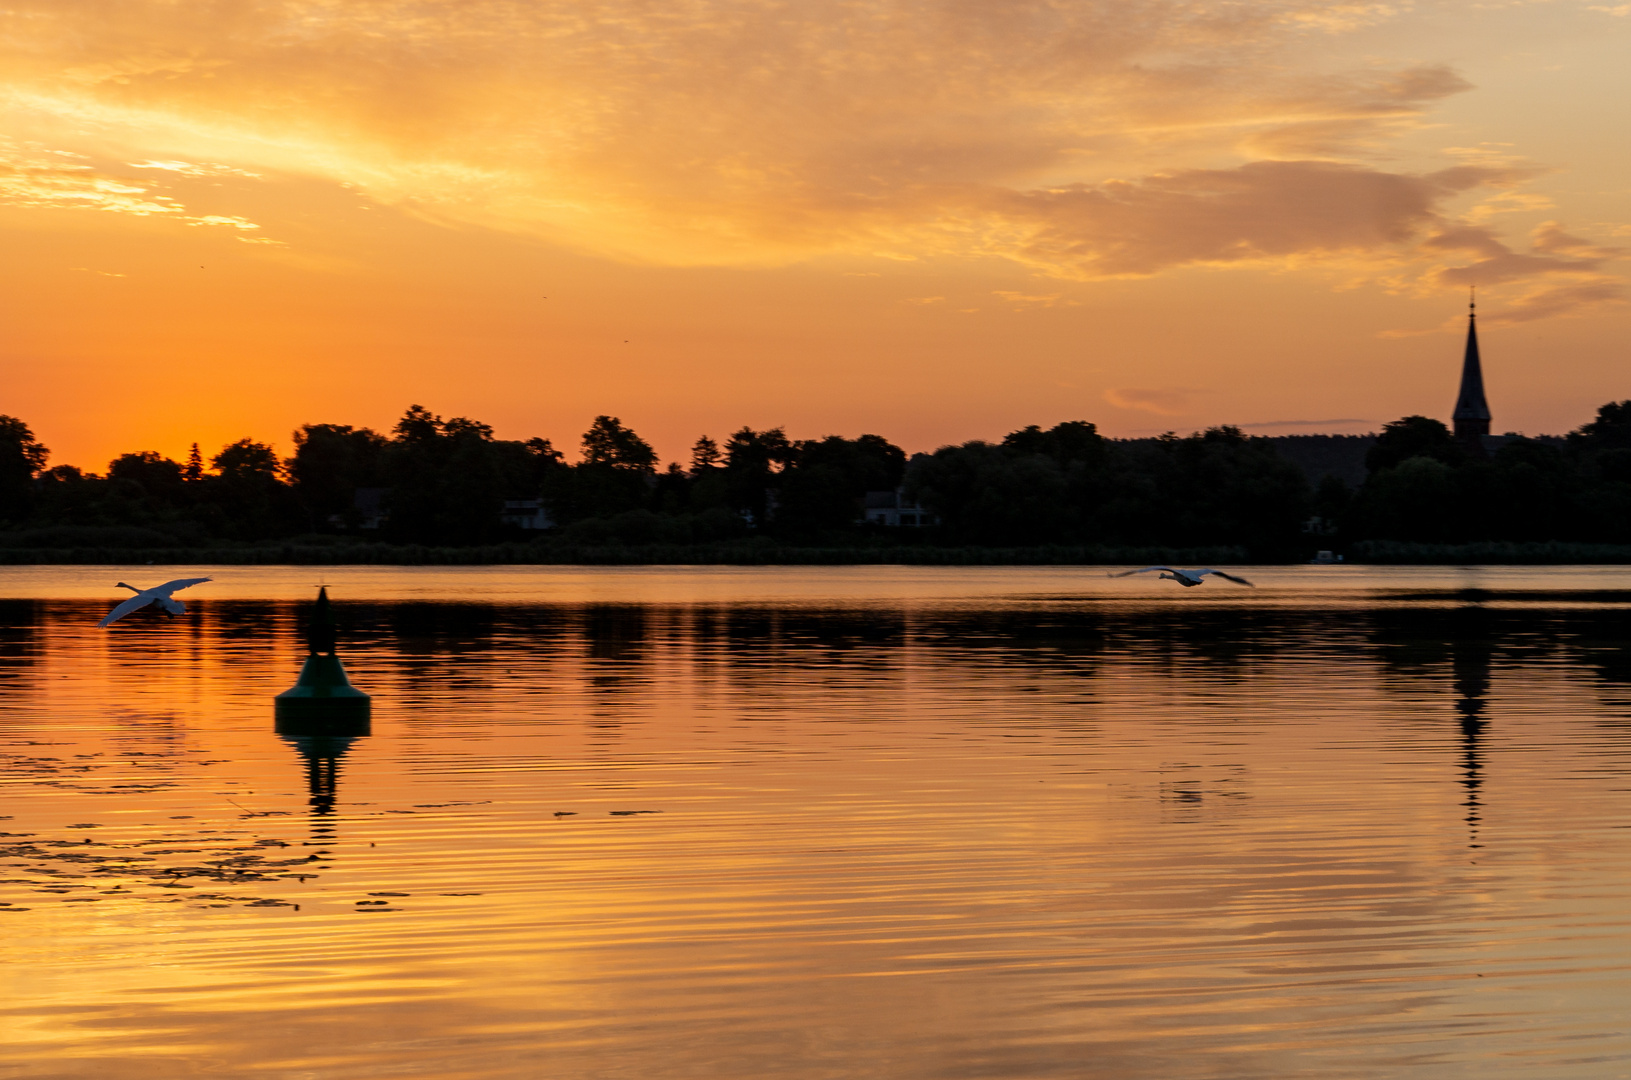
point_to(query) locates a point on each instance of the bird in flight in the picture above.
(158, 594)
(1187, 578)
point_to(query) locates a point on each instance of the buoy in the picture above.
(323, 701)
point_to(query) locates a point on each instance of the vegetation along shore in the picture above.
(435, 491)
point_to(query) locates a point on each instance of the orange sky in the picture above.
(930, 219)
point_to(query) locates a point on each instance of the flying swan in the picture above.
(1187, 578)
(158, 594)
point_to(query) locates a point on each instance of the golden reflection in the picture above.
(747, 839)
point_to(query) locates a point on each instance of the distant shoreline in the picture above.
(1370, 552)
(755, 554)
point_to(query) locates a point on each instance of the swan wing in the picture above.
(1229, 577)
(174, 607)
(140, 600)
(179, 583)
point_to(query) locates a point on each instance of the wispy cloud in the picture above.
(1545, 301)
(38, 178)
(1025, 301)
(1561, 274)
(1162, 401)
(1280, 425)
(188, 168)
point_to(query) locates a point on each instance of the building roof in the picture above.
(1470, 403)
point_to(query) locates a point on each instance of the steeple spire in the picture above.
(1471, 416)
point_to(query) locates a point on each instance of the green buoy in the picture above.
(323, 701)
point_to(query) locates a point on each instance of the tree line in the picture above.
(446, 482)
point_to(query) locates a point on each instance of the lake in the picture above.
(914, 823)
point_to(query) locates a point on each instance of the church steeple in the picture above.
(1471, 416)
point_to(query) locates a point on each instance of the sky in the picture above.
(934, 220)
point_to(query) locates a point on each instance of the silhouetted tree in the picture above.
(752, 460)
(750, 450)
(1072, 441)
(608, 442)
(709, 489)
(1416, 499)
(247, 462)
(985, 494)
(21, 456)
(822, 486)
(1601, 454)
(1414, 436)
(159, 477)
(544, 455)
(418, 425)
(1528, 492)
(1611, 430)
(616, 475)
(1218, 486)
(331, 461)
(246, 498)
(671, 494)
(1068, 485)
(705, 455)
(448, 479)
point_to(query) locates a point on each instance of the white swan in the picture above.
(1187, 578)
(158, 594)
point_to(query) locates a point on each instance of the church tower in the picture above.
(1471, 416)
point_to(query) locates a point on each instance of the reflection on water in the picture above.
(979, 823)
(322, 755)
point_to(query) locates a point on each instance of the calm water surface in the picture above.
(902, 823)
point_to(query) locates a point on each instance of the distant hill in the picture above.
(1319, 456)
(1342, 456)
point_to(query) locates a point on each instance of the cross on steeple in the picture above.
(1471, 416)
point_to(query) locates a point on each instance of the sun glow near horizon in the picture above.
(935, 221)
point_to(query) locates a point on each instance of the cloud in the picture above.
(1162, 401)
(1553, 254)
(1334, 116)
(187, 168)
(42, 179)
(1552, 251)
(1258, 212)
(1023, 301)
(1275, 425)
(1081, 138)
(229, 220)
(1549, 301)
(29, 178)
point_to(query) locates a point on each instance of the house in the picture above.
(894, 509)
(527, 514)
(368, 509)
(371, 506)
